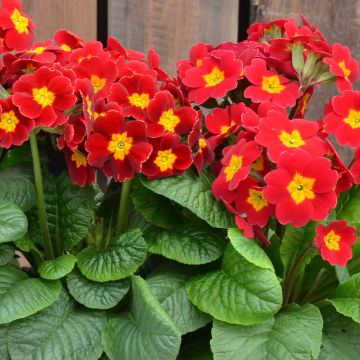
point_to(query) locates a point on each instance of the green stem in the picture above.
(292, 274)
(40, 197)
(123, 208)
(3, 93)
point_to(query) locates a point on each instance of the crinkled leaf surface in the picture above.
(57, 268)
(146, 333)
(7, 253)
(4, 354)
(13, 222)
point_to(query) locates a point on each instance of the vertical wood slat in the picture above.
(172, 26)
(78, 16)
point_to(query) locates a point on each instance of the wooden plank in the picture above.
(78, 16)
(172, 26)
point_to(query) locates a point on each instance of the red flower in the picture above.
(302, 188)
(133, 94)
(343, 66)
(14, 128)
(214, 77)
(119, 147)
(43, 52)
(164, 117)
(89, 50)
(169, 157)
(74, 132)
(277, 133)
(269, 86)
(344, 119)
(355, 167)
(68, 40)
(43, 96)
(334, 242)
(18, 25)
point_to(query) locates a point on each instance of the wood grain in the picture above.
(78, 16)
(172, 26)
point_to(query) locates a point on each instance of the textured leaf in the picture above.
(350, 209)
(194, 193)
(249, 249)
(6, 254)
(239, 293)
(346, 298)
(21, 297)
(120, 259)
(190, 245)
(16, 186)
(69, 208)
(341, 336)
(16, 156)
(13, 222)
(294, 334)
(96, 295)
(168, 285)
(147, 333)
(342, 273)
(57, 268)
(61, 331)
(4, 354)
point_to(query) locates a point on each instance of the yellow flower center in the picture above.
(66, 47)
(291, 140)
(38, 50)
(353, 119)
(202, 145)
(120, 145)
(97, 82)
(257, 200)
(43, 96)
(234, 165)
(21, 22)
(345, 70)
(272, 85)
(300, 188)
(8, 121)
(258, 165)
(199, 62)
(168, 120)
(216, 76)
(165, 160)
(96, 114)
(88, 106)
(224, 129)
(332, 240)
(78, 158)
(139, 100)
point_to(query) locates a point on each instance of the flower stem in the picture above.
(123, 208)
(40, 197)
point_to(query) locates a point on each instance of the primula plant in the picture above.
(146, 217)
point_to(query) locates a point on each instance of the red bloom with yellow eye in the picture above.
(79, 170)
(334, 242)
(168, 158)
(133, 94)
(119, 147)
(68, 40)
(343, 66)
(236, 163)
(18, 25)
(344, 119)
(355, 167)
(164, 117)
(301, 188)
(14, 128)
(223, 121)
(269, 86)
(214, 77)
(43, 96)
(277, 133)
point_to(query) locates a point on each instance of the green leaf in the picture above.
(21, 297)
(4, 354)
(146, 333)
(346, 298)
(341, 336)
(249, 249)
(194, 193)
(13, 222)
(239, 293)
(120, 259)
(69, 208)
(163, 214)
(16, 156)
(294, 334)
(57, 268)
(96, 295)
(167, 283)
(350, 209)
(61, 331)
(16, 186)
(294, 242)
(6, 254)
(342, 273)
(192, 245)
